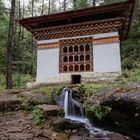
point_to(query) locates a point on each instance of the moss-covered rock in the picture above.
(118, 109)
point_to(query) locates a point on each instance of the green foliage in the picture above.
(20, 80)
(28, 106)
(81, 4)
(97, 111)
(89, 89)
(37, 116)
(133, 75)
(50, 91)
(130, 48)
(2, 82)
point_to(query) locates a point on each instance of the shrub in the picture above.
(2, 82)
(20, 80)
(89, 89)
(98, 111)
(37, 116)
(133, 75)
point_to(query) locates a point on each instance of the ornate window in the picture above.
(75, 48)
(70, 68)
(76, 58)
(87, 67)
(87, 47)
(81, 57)
(81, 48)
(87, 57)
(70, 58)
(76, 68)
(82, 67)
(65, 59)
(76, 55)
(65, 50)
(70, 49)
(65, 68)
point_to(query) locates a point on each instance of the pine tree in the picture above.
(10, 45)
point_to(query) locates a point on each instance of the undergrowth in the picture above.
(37, 116)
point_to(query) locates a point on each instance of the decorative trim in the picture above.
(79, 29)
(96, 36)
(48, 46)
(78, 41)
(106, 40)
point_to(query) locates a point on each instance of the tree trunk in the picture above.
(10, 46)
(42, 10)
(64, 5)
(49, 7)
(74, 4)
(94, 3)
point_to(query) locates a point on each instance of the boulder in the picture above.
(126, 93)
(50, 135)
(38, 98)
(9, 102)
(50, 110)
(124, 114)
(25, 95)
(61, 124)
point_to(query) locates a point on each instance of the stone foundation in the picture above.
(86, 77)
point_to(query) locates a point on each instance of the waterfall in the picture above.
(74, 111)
(66, 104)
(72, 108)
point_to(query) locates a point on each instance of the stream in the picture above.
(74, 112)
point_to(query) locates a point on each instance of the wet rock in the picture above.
(61, 124)
(108, 136)
(117, 136)
(75, 138)
(52, 110)
(59, 99)
(38, 98)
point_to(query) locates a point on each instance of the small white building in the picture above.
(81, 45)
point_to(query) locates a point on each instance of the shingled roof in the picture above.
(99, 13)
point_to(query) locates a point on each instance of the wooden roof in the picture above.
(121, 9)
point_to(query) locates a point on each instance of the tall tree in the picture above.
(64, 5)
(42, 9)
(10, 45)
(49, 7)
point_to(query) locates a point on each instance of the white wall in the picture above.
(106, 57)
(47, 64)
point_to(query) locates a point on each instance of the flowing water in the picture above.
(74, 111)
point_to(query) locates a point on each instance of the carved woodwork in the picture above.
(76, 55)
(79, 29)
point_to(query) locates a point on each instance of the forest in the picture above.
(18, 49)
(83, 111)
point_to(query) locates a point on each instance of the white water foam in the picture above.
(71, 115)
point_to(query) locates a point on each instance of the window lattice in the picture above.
(76, 55)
